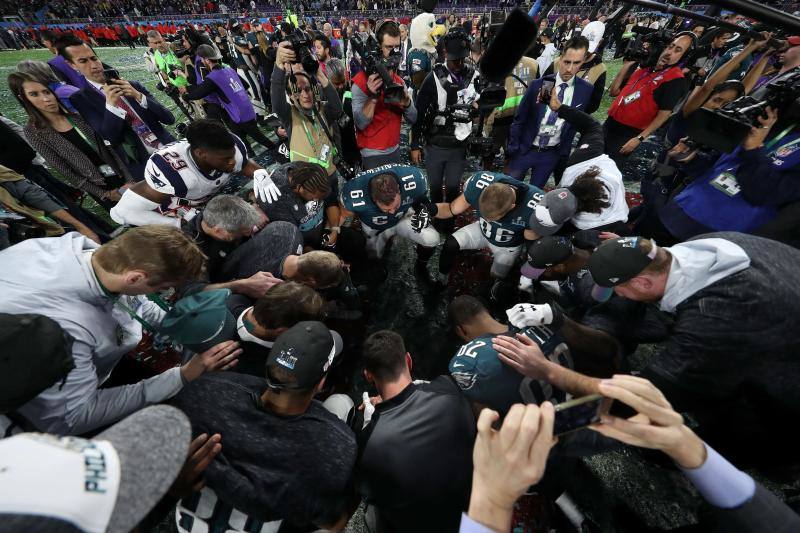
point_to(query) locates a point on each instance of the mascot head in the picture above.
(424, 32)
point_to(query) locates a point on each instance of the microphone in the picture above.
(513, 39)
(428, 5)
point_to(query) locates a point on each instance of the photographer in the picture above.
(645, 103)
(223, 86)
(311, 110)
(168, 68)
(446, 101)
(377, 121)
(740, 191)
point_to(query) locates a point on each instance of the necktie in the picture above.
(142, 130)
(552, 116)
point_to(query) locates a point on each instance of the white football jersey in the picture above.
(172, 170)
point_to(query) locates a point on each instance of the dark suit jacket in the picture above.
(91, 105)
(530, 113)
(763, 512)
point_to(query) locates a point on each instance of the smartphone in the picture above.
(544, 92)
(579, 413)
(110, 74)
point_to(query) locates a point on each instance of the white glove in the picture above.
(263, 186)
(526, 315)
(369, 409)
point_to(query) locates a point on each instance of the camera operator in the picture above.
(378, 122)
(446, 100)
(645, 103)
(223, 86)
(740, 191)
(788, 60)
(312, 108)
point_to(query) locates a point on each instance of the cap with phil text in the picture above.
(619, 260)
(109, 483)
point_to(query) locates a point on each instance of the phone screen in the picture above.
(547, 88)
(110, 74)
(578, 413)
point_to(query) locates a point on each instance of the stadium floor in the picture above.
(620, 491)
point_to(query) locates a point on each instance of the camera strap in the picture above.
(331, 138)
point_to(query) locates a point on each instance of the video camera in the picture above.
(725, 128)
(373, 62)
(646, 48)
(301, 42)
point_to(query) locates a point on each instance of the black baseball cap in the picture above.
(36, 354)
(456, 44)
(546, 252)
(306, 350)
(618, 260)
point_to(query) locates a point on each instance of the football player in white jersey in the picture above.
(186, 174)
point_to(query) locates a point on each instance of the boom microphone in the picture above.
(427, 5)
(513, 39)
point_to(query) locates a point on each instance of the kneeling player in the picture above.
(480, 372)
(383, 200)
(503, 206)
(186, 174)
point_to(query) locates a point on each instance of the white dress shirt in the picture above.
(555, 129)
(121, 113)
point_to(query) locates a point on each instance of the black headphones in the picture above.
(694, 41)
(379, 30)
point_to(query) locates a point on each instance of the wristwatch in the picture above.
(641, 138)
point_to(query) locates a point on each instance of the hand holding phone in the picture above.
(546, 91)
(655, 425)
(580, 413)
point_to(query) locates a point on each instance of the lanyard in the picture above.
(115, 299)
(646, 78)
(778, 137)
(91, 144)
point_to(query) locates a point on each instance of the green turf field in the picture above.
(131, 65)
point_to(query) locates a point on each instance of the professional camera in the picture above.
(373, 62)
(301, 42)
(492, 94)
(646, 48)
(724, 129)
